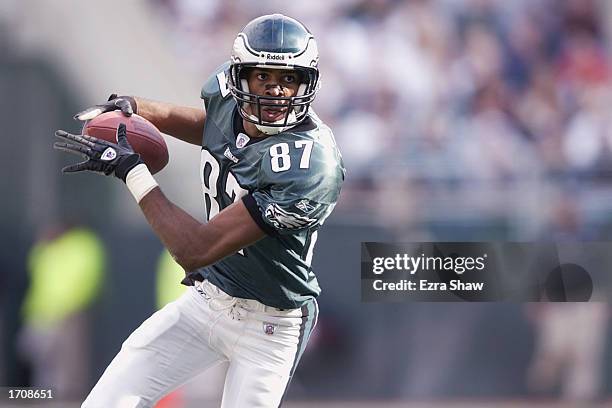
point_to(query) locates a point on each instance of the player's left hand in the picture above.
(126, 104)
(102, 156)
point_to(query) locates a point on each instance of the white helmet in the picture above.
(274, 42)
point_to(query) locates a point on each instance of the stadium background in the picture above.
(461, 120)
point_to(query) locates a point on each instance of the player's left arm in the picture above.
(299, 182)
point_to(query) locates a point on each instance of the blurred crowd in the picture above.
(458, 101)
(458, 120)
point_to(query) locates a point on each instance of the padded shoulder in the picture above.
(216, 84)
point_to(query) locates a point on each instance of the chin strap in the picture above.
(272, 130)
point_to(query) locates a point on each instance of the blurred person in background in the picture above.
(570, 338)
(569, 350)
(66, 270)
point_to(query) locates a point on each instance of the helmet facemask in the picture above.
(296, 107)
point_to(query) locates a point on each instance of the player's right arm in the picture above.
(182, 122)
(194, 244)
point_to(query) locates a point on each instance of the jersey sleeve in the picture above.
(295, 192)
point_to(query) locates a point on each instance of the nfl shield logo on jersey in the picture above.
(269, 328)
(242, 140)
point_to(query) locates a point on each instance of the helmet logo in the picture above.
(276, 57)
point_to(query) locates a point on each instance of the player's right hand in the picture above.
(126, 104)
(100, 155)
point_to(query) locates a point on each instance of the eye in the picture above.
(290, 78)
(262, 76)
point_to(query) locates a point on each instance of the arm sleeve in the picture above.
(296, 199)
(253, 209)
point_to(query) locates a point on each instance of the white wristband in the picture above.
(140, 181)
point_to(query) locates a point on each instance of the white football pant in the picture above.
(202, 328)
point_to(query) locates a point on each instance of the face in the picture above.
(272, 82)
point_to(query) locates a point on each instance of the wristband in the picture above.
(140, 181)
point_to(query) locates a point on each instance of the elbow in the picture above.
(189, 265)
(187, 261)
(196, 254)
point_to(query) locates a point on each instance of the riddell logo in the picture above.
(275, 57)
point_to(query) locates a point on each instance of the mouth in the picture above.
(273, 113)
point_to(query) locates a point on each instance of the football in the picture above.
(144, 137)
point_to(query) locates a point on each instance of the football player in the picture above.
(271, 174)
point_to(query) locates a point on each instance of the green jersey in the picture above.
(289, 183)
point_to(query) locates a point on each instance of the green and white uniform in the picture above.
(255, 309)
(289, 182)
